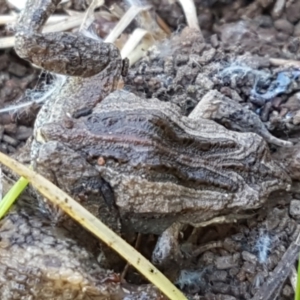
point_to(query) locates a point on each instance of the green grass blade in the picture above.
(12, 195)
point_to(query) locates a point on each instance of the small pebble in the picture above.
(293, 11)
(284, 26)
(1, 131)
(227, 262)
(296, 118)
(297, 29)
(23, 133)
(17, 69)
(9, 140)
(287, 291)
(295, 209)
(249, 257)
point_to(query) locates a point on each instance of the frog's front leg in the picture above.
(167, 254)
(55, 160)
(215, 106)
(61, 52)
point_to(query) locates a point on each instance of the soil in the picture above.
(246, 54)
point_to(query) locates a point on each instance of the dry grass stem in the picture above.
(72, 12)
(279, 62)
(127, 18)
(69, 23)
(7, 19)
(163, 25)
(146, 42)
(190, 12)
(105, 15)
(135, 38)
(148, 20)
(7, 42)
(18, 4)
(89, 16)
(117, 11)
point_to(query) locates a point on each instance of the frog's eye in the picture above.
(225, 123)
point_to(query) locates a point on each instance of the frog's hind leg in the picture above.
(61, 52)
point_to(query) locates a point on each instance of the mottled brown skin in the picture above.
(162, 167)
(39, 260)
(234, 116)
(61, 52)
(159, 167)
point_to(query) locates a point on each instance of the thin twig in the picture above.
(136, 246)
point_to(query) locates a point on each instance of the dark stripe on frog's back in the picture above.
(149, 138)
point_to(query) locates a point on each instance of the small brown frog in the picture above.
(131, 159)
(157, 166)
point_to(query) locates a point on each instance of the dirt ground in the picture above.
(252, 55)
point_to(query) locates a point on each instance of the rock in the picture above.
(229, 261)
(231, 93)
(297, 29)
(284, 26)
(293, 102)
(287, 291)
(296, 118)
(204, 82)
(264, 3)
(239, 33)
(249, 257)
(293, 11)
(295, 209)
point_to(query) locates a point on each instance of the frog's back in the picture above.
(163, 165)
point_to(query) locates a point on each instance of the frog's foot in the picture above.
(61, 52)
(167, 254)
(232, 115)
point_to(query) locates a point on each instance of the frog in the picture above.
(138, 164)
